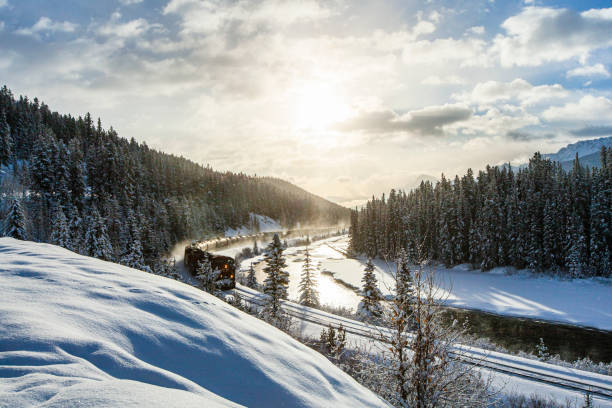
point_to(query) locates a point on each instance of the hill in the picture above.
(99, 194)
(76, 331)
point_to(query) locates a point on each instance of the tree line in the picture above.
(79, 185)
(540, 217)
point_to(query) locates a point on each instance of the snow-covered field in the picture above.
(76, 331)
(585, 302)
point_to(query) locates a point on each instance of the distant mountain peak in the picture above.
(582, 148)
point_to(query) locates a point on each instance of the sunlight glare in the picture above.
(318, 107)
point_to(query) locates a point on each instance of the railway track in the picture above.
(488, 360)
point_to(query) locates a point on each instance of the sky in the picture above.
(344, 98)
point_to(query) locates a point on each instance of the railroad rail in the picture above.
(482, 358)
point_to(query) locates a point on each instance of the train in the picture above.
(226, 265)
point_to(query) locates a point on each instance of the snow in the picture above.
(505, 291)
(77, 331)
(313, 320)
(583, 148)
(266, 224)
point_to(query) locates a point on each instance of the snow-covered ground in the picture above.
(586, 302)
(309, 322)
(266, 224)
(76, 331)
(330, 293)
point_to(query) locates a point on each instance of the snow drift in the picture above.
(77, 331)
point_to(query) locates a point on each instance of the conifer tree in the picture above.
(97, 243)
(277, 280)
(251, 281)
(6, 142)
(15, 222)
(401, 319)
(207, 276)
(60, 235)
(309, 296)
(255, 248)
(370, 306)
(133, 256)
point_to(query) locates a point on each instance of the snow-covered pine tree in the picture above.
(309, 296)
(401, 320)
(575, 260)
(251, 280)
(133, 256)
(60, 235)
(97, 243)
(207, 276)
(6, 142)
(15, 222)
(370, 307)
(75, 227)
(277, 281)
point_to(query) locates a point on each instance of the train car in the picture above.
(224, 264)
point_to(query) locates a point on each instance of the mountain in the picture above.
(79, 332)
(588, 152)
(416, 181)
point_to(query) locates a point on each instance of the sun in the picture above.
(318, 106)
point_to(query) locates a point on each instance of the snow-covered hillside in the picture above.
(261, 223)
(76, 331)
(583, 148)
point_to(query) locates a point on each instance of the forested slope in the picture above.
(541, 217)
(87, 189)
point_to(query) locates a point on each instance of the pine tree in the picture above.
(309, 296)
(255, 248)
(401, 323)
(133, 257)
(370, 306)
(277, 280)
(6, 142)
(61, 231)
(15, 223)
(251, 278)
(207, 276)
(97, 243)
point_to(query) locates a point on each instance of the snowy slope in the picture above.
(583, 148)
(76, 331)
(265, 223)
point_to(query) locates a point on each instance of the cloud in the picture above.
(428, 121)
(45, 24)
(526, 136)
(593, 131)
(497, 120)
(3, 3)
(588, 108)
(538, 35)
(443, 80)
(468, 51)
(518, 90)
(114, 28)
(129, 2)
(200, 17)
(478, 30)
(589, 71)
